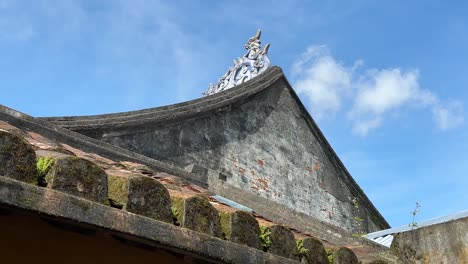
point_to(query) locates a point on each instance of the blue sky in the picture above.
(386, 81)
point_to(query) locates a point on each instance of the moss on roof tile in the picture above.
(17, 158)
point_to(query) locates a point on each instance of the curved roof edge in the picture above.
(174, 111)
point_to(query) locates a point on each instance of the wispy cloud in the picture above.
(367, 96)
(448, 116)
(382, 91)
(149, 35)
(322, 79)
(130, 45)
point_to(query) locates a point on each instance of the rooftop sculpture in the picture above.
(254, 62)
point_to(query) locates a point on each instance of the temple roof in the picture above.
(58, 187)
(107, 127)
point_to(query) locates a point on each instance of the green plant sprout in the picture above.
(355, 203)
(175, 215)
(416, 210)
(265, 237)
(300, 249)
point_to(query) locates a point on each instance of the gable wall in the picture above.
(264, 145)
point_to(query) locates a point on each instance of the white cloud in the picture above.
(368, 96)
(322, 80)
(362, 127)
(448, 116)
(381, 91)
(133, 43)
(168, 47)
(385, 89)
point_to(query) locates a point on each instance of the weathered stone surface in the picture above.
(17, 158)
(282, 242)
(139, 194)
(255, 135)
(199, 215)
(378, 262)
(43, 166)
(117, 189)
(344, 256)
(315, 252)
(148, 197)
(45, 161)
(78, 177)
(47, 197)
(177, 209)
(200, 173)
(441, 243)
(137, 168)
(242, 228)
(58, 205)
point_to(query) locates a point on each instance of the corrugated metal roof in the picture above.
(385, 237)
(231, 203)
(384, 240)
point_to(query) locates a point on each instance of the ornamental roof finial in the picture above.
(254, 62)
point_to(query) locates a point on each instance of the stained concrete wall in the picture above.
(264, 143)
(441, 243)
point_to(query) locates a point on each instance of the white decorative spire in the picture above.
(254, 62)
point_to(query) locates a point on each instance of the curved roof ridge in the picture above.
(207, 103)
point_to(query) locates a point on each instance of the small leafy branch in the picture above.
(355, 203)
(358, 219)
(265, 237)
(416, 210)
(300, 249)
(330, 256)
(43, 166)
(175, 215)
(358, 224)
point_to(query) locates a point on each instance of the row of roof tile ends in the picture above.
(30, 158)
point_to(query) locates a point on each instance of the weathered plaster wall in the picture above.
(264, 145)
(441, 243)
(260, 139)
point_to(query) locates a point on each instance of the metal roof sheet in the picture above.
(385, 237)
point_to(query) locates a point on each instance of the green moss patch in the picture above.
(282, 242)
(345, 255)
(117, 189)
(225, 219)
(175, 214)
(43, 166)
(201, 216)
(265, 237)
(330, 256)
(177, 209)
(311, 250)
(79, 177)
(17, 158)
(148, 197)
(241, 227)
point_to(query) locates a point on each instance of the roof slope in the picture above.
(67, 189)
